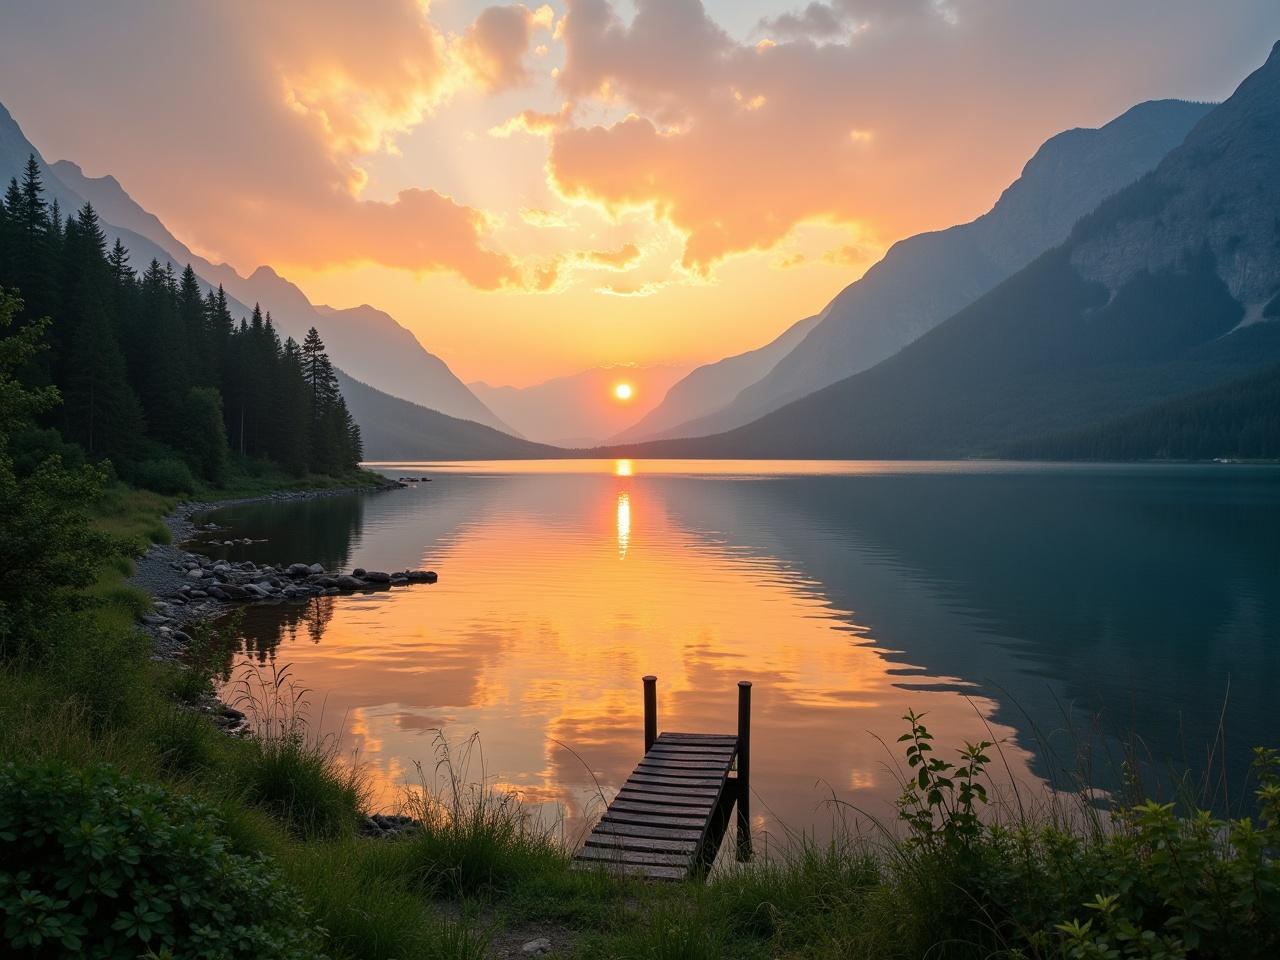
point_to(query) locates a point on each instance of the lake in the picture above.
(1072, 612)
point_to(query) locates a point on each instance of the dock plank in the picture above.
(658, 824)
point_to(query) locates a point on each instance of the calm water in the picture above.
(1042, 604)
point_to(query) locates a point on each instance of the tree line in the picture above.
(1239, 419)
(155, 375)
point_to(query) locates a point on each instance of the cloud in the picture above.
(823, 21)
(495, 46)
(618, 259)
(270, 117)
(533, 122)
(817, 20)
(735, 144)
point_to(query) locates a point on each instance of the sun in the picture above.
(623, 391)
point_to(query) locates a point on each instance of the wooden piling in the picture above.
(650, 712)
(744, 770)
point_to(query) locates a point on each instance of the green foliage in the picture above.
(48, 548)
(299, 779)
(100, 865)
(169, 475)
(205, 439)
(147, 360)
(1151, 884)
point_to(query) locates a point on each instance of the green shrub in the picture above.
(169, 475)
(96, 863)
(1147, 883)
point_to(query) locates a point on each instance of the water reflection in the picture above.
(624, 524)
(1015, 597)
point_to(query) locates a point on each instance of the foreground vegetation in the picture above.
(131, 826)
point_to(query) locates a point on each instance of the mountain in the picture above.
(580, 410)
(1239, 419)
(926, 278)
(368, 343)
(706, 389)
(395, 429)
(1163, 290)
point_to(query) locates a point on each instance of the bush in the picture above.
(1148, 883)
(94, 862)
(170, 475)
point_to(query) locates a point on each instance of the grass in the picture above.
(1009, 884)
(254, 478)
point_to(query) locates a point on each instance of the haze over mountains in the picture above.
(580, 410)
(1165, 289)
(926, 278)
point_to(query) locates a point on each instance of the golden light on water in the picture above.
(622, 468)
(624, 525)
(623, 391)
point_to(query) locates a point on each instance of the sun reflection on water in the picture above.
(624, 524)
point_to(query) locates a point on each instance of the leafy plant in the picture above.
(941, 801)
(95, 863)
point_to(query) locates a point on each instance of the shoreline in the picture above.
(163, 570)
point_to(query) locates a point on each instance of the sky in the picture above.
(535, 189)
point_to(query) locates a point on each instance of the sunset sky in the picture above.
(538, 189)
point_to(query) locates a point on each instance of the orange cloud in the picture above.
(735, 144)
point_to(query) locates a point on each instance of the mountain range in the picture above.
(1166, 288)
(926, 278)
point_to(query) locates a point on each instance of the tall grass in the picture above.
(299, 777)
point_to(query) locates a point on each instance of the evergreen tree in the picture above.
(151, 368)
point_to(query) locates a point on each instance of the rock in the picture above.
(195, 573)
(349, 583)
(536, 948)
(398, 579)
(297, 570)
(316, 569)
(234, 591)
(257, 590)
(421, 576)
(358, 572)
(377, 576)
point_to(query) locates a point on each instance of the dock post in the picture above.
(744, 770)
(650, 712)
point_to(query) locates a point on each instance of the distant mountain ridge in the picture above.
(580, 410)
(707, 389)
(924, 279)
(1163, 290)
(394, 429)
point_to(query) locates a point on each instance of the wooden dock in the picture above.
(670, 816)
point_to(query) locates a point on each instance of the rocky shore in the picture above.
(189, 588)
